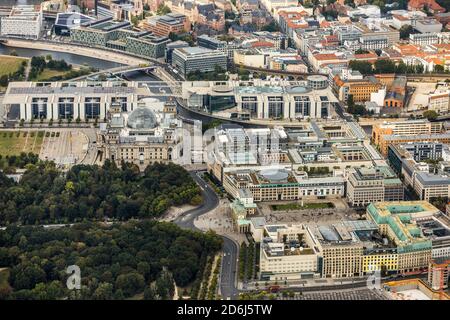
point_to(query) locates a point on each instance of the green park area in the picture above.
(10, 65)
(298, 206)
(47, 74)
(15, 142)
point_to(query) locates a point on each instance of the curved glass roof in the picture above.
(297, 89)
(142, 118)
(274, 175)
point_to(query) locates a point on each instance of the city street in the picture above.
(230, 248)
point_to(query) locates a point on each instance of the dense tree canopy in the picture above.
(47, 195)
(116, 261)
(13, 162)
(383, 66)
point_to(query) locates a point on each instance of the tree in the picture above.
(361, 51)
(405, 31)
(350, 102)
(361, 66)
(26, 276)
(104, 292)
(437, 68)
(430, 114)
(162, 10)
(4, 80)
(384, 66)
(401, 68)
(135, 20)
(271, 27)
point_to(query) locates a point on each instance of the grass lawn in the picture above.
(10, 64)
(48, 73)
(298, 206)
(15, 142)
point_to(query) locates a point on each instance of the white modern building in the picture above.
(191, 59)
(71, 100)
(289, 252)
(424, 39)
(260, 99)
(428, 25)
(24, 21)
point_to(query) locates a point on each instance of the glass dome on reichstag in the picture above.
(142, 118)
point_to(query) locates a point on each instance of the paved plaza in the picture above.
(64, 147)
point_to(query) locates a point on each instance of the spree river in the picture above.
(68, 57)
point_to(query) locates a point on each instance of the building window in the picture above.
(39, 107)
(251, 105)
(65, 108)
(302, 106)
(92, 108)
(276, 106)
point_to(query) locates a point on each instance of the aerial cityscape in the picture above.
(269, 150)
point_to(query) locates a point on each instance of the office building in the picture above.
(191, 59)
(439, 101)
(421, 151)
(424, 39)
(428, 25)
(398, 222)
(262, 99)
(71, 100)
(24, 21)
(163, 26)
(406, 131)
(431, 186)
(289, 252)
(277, 183)
(119, 36)
(172, 46)
(371, 30)
(211, 43)
(65, 21)
(367, 185)
(374, 43)
(359, 89)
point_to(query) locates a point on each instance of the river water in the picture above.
(68, 57)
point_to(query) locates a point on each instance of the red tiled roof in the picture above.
(262, 44)
(419, 4)
(325, 56)
(366, 56)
